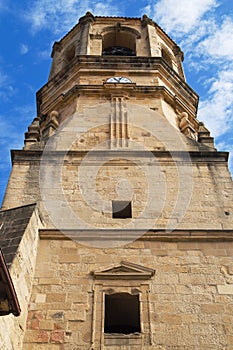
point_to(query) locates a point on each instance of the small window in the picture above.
(122, 313)
(166, 56)
(121, 210)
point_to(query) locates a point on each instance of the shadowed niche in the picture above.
(122, 314)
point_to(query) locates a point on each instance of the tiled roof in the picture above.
(13, 223)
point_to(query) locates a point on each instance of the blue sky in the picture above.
(202, 28)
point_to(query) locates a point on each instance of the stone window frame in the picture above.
(124, 278)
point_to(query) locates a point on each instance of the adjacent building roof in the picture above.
(13, 223)
(8, 298)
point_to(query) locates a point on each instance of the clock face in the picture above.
(118, 80)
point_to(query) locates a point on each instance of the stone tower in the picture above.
(117, 218)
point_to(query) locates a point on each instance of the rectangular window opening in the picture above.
(121, 209)
(122, 314)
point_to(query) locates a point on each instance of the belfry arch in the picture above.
(119, 40)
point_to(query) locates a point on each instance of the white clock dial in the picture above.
(118, 80)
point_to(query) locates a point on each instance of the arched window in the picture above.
(119, 43)
(69, 54)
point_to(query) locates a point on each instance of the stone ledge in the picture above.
(179, 156)
(151, 235)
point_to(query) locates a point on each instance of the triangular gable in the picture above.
(125, 270)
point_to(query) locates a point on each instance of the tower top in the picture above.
(123, 36)
(101, 58)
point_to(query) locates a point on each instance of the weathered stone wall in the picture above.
(204, 191)
(22, 272)
(190, 299)
(156, 186)
(23, 185)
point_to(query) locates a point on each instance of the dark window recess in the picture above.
(166, 57)
(122, 313)
(121, 210)
(118, 51)
(70, 54)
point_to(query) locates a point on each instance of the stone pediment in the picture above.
(125, 270)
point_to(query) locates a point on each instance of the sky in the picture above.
(202, 28)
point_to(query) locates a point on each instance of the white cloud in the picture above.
(182, 16)
(14, 128)
(3, 5)
(6, 89)
(3, 79)
(61, 15)
(227, 145)
(23, 49)
(10, 135)
(217, 110)
(219, 43)
(44, 54)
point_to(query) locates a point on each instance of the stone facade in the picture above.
(187, 303)
(115, 129)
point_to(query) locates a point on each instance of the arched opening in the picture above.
(119, 43)
(166, 56)
(69, 54)
(122, 313)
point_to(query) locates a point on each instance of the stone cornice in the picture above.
(73, 156)
(115, 63)
(105, 67)
(195, 235)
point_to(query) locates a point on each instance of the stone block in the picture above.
(212, 308)
(225, 289)
(46, 325)
(36, 336)
(55, 298)
(57, 337)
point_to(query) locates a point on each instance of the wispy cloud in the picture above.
(183, 16)
(60, 16)
(3, 5)
(13, 129)
(23, 49)
(3, 79)
(6, 88)
(219, 43)
(217, 109)
(11, 135)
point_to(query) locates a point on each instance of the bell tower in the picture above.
(127, 240)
